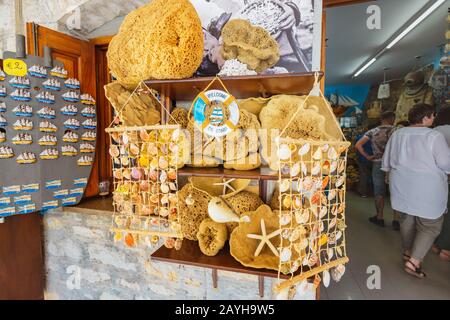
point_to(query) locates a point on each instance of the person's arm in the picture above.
(360, 147)
(441, 153)
(386, 160)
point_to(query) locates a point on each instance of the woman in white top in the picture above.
(418, 161)
(442, 124)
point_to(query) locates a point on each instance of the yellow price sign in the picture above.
(15, 67)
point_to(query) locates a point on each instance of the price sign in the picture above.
(15, 67)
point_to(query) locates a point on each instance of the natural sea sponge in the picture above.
(139, 110)
(179, 116)
(311, 123)
(242, 202)
(253, 105)
(211, 237)
(214, 186)
(161, 40)
(251, 162)
(251, 45)
(192, 215)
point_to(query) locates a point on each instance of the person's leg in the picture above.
(363, 184)
(427, 230)
(407, 232)
(379, 190)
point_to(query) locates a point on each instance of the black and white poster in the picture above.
(294, 24)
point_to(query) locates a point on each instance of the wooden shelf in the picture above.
(257, 174)
(240, 86)
(190, 254)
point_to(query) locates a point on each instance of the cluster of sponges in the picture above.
(249, 44)
(137, 110)
(237, 150)
(161, 40)
(315, 121)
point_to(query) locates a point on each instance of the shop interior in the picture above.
(352, 60)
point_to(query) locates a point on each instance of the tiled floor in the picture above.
(368, 245)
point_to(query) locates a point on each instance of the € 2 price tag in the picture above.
(15, 67)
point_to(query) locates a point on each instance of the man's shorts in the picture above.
(378, 177)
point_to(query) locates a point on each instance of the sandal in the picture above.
(414, 270)
(444, 256)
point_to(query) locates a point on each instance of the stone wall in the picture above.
(82, 262)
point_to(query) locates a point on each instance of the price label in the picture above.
(15, 67)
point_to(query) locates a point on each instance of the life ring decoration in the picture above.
(216, 112)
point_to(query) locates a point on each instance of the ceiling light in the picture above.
(416, 22)
(368, 64)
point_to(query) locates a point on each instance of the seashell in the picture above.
(341, 208)
(146, 210)
(317, 155)
(304, 168)
(295, 169)
(333, 166)
(163, 176)
(340, 181)
(331, 195)
(173, 147)
(337, 272)
(323, 212)
(125, 138)
(152, 149)
(341, 167)
(123, 150)
(118, 174)
(342, 149)
(175, 135)
(137, 173)
(163, 212)
(173, 186)
(294, 268)
(323, 239)
(332, 154)
(134, 149)
(341, 225)
(144, 161)
(165, 188)
(144, 135)
(163, 163)
(287, 201)
(154, 198)
(114, 151)
(125, 161)
(169, 243)
(334, 210)
(305, 184)
(302, 216)
(165, 136)
(285, 169)
(326, 278)
(297, 202)
(295, 235)
(129, 240)
(154, 239)
(316, 199)
(172, 174)
(301, 245)
(339, 251)
(326, 166)
(118, 236)
(178, 244)
(116, 137)
(284, 152)
(286, 233)
(285, 219)
(304, 149)
(325, 182)
(325, 147)
(117, 161)
(126, 174)
(165, 199)
(285, 185)
(330, 253)
(332, 238)
(285, 255)
(220, 212)
(313, 210)
(189, 200)
(316, 168)
(164, 149)
(312, 261)
(332, 223)
(338, 235)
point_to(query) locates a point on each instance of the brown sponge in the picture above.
(249, 44)
(179, 116)
(139, 110)
(161, 40)
(192, 215)
(211, 237)
(242, 202)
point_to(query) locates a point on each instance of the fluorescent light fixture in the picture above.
(368, 64)
(416, 22)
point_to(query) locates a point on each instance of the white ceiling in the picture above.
(350, 43)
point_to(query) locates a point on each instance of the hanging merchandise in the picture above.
(32, 150)
(145, 199)
(384, 90)
(313, 226)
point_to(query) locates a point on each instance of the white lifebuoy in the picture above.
(209, 125)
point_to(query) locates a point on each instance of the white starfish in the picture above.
(226, 184)
(265, 239)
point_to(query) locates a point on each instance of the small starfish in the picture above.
(265, 239)
(226, 184)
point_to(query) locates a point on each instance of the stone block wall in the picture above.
(82, 262)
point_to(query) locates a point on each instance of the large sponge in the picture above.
(161, 40)
(249, 44)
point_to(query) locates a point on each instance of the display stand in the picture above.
(240, 87)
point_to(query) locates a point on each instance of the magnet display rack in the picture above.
(241, 87)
